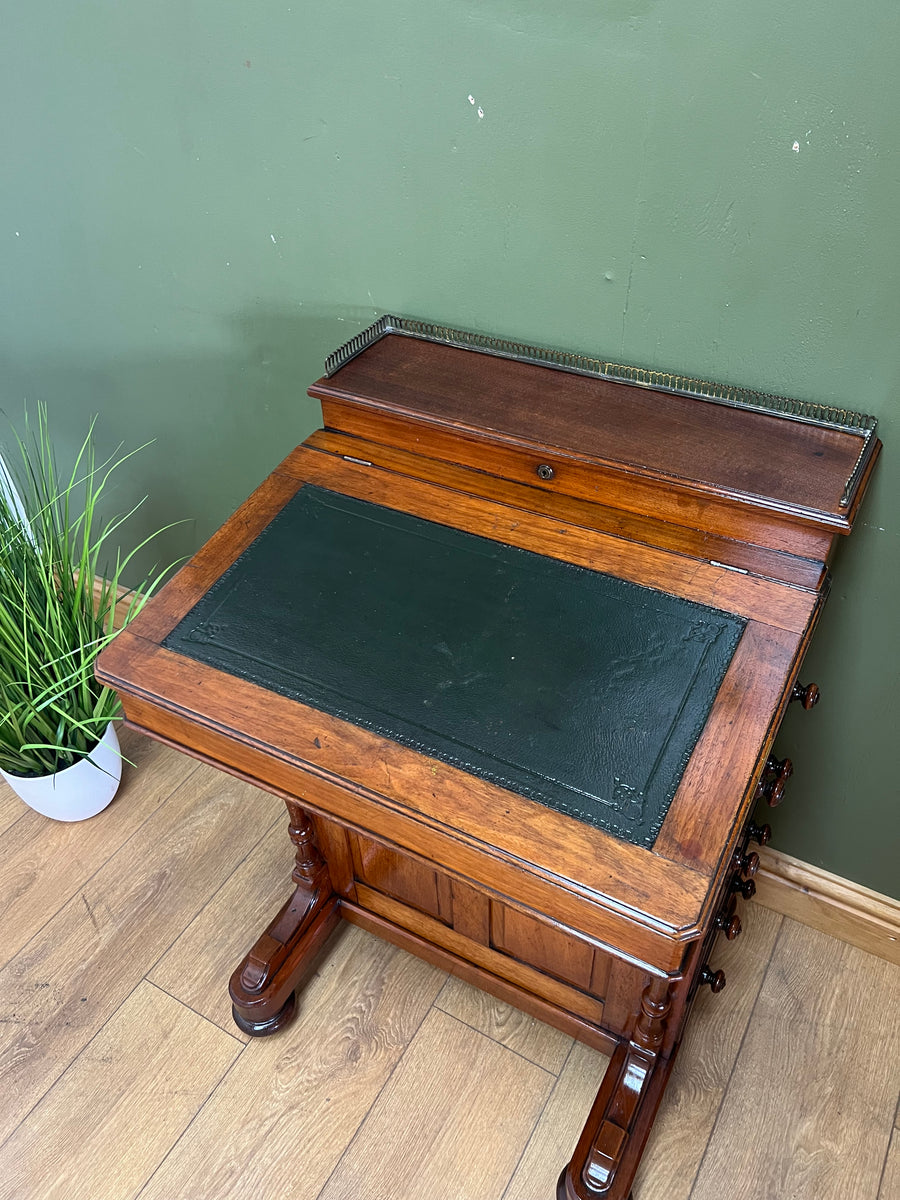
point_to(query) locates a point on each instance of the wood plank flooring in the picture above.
(122, 1074)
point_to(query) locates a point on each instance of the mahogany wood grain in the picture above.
(507, 966)
(625, 984)
(676, 437)
(539, 944)
(334, 842)
(471, 912)
(639, 942)
(689, 850)
(396, 875)
(179, 596)
(445, 897)
(601, 969)
(557, 952)
(700, 818)
(752, 694)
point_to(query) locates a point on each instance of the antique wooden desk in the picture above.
(512, 636)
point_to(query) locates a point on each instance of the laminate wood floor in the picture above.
(122, 1074)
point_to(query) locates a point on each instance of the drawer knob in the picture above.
(730, 924)
(761, 834)
(715, 980)
(807, 694)
(743, 887)
(774, 780)
(545, 471)
(747, 864)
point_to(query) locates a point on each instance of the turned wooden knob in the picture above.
(743, 887)
(807, 694)
(715, 980)
(761, 834)
(774, 780)
(730, 924)
(747, 864)
(782, 771)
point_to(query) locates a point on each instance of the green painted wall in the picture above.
(202, 197)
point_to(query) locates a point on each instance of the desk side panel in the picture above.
(727, 757)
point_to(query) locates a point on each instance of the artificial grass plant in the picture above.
(54, 545)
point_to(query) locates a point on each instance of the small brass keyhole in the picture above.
(545, 471)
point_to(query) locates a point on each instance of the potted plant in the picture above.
(61, 601)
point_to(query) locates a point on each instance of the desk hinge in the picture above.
(727, 567)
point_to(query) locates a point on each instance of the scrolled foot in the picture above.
(282, 958)
(562, 1192)
(263, 986)
(272, 1024)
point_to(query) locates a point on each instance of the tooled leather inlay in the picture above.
(565, 685)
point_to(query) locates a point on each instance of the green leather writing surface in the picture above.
(565, 685)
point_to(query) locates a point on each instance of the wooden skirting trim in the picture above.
(826, 902)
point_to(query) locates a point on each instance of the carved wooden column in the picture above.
(608, 1151)
(263, 986)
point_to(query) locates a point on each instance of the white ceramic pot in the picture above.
(79, 791)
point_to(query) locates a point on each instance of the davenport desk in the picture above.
(512, 636)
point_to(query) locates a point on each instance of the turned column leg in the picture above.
(263, 986)
(610, 1146)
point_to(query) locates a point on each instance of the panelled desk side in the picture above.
(602, 938)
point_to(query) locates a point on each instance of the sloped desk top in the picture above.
(559, 683)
